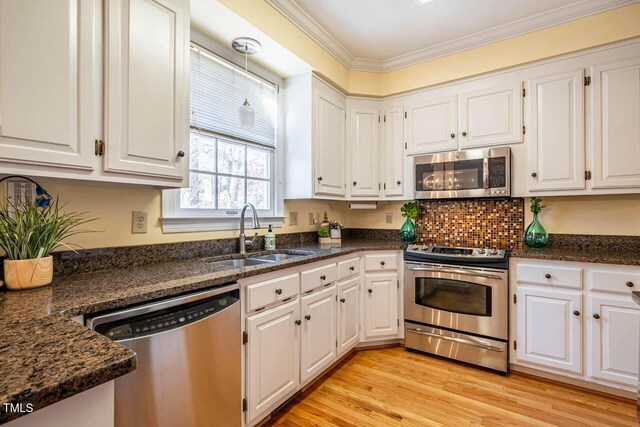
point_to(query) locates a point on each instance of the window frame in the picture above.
(176, 219)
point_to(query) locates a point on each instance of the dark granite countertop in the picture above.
(603, 256)
(46, 357)
(636, 296)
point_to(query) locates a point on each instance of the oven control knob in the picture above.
(493, 252)
(481, 251)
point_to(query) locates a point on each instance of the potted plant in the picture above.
(28, 236)
(409, 211)
(536, 236)
(324, 236)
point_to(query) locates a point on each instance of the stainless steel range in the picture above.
(456, 303)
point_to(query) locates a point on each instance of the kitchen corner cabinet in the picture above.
(315, 133)
(376, 150)
(577, 320)
(55, 64)
(348, 314)
(381, 305)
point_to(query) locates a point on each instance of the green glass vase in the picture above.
(408, 231)
(536, 236)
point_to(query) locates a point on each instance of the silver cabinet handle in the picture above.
(458, 340)
(456, 271)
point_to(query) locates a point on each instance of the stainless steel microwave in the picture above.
(460, 174)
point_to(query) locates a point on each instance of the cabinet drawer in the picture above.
(381, 262)
(266, 293)
(616, 281)
(348, 268)
(550, 275)
(318, 277)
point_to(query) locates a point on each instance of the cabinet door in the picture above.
(381, 305)
(273, 357)
(431, 126)
(614, 326)
(348, 315)
(393, 184)
(616, 127)
(319, 346)
(550, 329)
(329, 141)
(491, 116)
(146, 84)
(556, 149)
(364, 139)
(49, 81)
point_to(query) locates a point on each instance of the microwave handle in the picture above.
(485, 173)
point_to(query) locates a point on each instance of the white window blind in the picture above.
(218, 91)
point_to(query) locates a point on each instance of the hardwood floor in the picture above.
(395, 387)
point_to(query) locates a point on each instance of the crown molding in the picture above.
(581, 9)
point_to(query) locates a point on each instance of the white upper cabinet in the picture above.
(329, 141)
(49, 80)
(146, 80)
(490, 116)
(556, 149)
(393, 152)
(364, 149)
(614, 324)
(615, 122)
(431, 126)
(315, 139)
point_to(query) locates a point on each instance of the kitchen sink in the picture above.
(276, 257)
(240, 262)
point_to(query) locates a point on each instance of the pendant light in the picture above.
(246, 46)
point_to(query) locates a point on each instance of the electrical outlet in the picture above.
(312, 218)
(389, 217)
(139, 222)
(293, 218)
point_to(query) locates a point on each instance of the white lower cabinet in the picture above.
(549, 328)
(348, 314)
(381, 305)
(318, 339)
(614, 332)
(552, 316)
(273, 362)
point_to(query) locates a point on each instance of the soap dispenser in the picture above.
(270, 240)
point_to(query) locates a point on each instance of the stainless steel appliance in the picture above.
(189, 351)
(456, 303)
(459, 174)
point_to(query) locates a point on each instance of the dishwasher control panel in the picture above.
(164, 320)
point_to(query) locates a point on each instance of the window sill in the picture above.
(199, 224)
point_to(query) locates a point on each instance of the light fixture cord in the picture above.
(246, 72)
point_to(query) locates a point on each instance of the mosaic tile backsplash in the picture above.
(482, 223)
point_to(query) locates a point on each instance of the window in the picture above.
(229, 166)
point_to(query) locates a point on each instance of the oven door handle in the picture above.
(456, 271)
(458, 340)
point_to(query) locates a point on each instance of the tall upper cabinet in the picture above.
(315, 133)
(95, 90)
(576, 150)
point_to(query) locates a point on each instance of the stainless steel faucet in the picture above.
(256, 225)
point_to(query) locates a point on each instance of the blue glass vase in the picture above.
(408, 231)
(536, 236)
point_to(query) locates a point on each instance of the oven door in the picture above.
(467, 299)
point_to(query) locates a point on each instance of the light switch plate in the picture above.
(139, 222)
(293, 218)
(389, 217)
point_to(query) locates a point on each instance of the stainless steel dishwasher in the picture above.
(188, 350)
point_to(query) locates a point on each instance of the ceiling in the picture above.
(380, 35)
